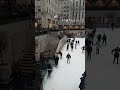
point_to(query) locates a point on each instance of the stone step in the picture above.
(27, 65)
(29, 53)
(27, 68)
(26, 62)
(27, 71)
(28, 56)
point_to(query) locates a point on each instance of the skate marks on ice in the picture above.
(67, 76)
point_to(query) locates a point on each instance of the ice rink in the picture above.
(67, 76)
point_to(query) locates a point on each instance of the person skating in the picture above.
(68, 58)
(60, 54)
(83, 49)
(67, 47)
(56, 60)
(116, 54)
(104, 39)
(78, 42)
(97, 47)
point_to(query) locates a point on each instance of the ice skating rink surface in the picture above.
(67, 76)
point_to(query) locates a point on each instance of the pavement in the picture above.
(102, 74)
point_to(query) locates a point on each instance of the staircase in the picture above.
(26, 63)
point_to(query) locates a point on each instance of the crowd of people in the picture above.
(90, 42)
(101, 40)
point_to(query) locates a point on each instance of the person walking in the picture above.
(82, 83)
(99, 37)
(104, 39)
(112, 26)
(89, 51)
(116, 54)
(97, 47)
(68, 58)
(78, 42)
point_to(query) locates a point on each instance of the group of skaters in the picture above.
(71, 42)
(101, 40)
(89, 42)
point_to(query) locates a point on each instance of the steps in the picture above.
(27, 64)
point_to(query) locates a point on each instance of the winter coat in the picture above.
(97, 45)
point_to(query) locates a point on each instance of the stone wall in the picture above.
(18, 35)
(61, 43)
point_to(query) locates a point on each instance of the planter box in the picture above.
(5, 72)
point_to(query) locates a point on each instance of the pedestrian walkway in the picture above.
(67, 76)
(102, 74)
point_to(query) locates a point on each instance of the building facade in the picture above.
(71, 12)
(102, 13)
(46, 12)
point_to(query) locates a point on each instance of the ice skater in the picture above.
(68, 58)
(60, 54)
(83, 49)
(72, 47)
(78, 42)
(104, 39)
(116, 54)
(56, 60)
(67, 47)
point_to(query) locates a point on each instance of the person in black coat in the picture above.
(99, 37)
(83, 49)
(112, 26)
(67, 47)
(89, 51)
(82, 83)
(68, 56)
(104, 39)
(56, 61)
(78, 42)
(116, 54)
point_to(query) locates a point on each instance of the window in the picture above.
(39, 10)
